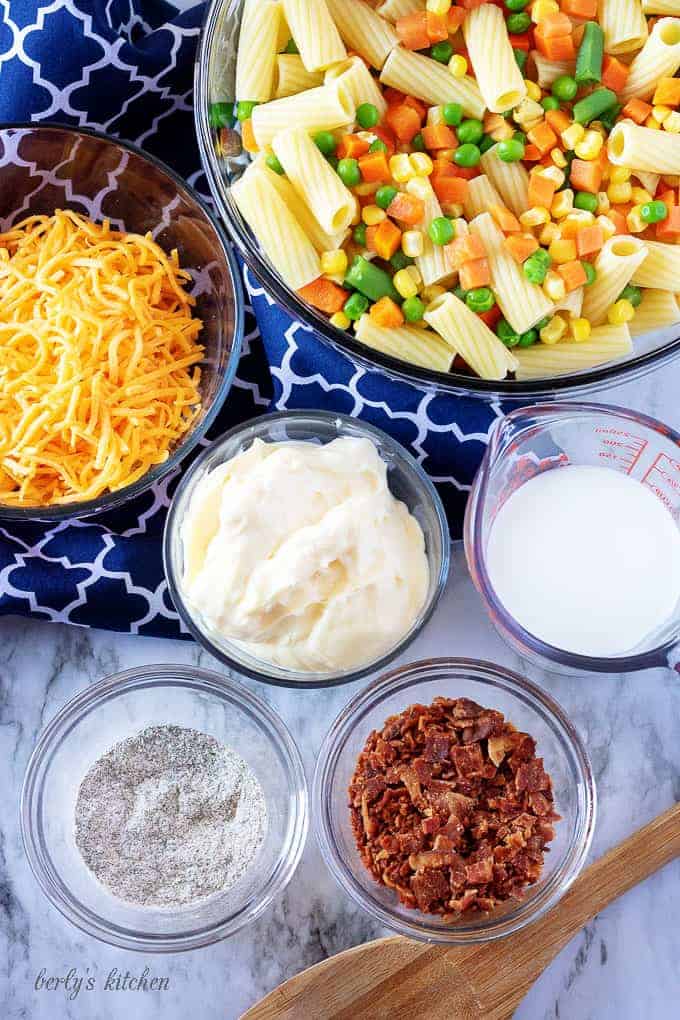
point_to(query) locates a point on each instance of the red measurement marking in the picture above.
(663, 478)
(620, 447)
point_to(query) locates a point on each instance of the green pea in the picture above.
(518, 23)
(591, 274)
(516, 5)
(220, 115)
(510, 150)
(584, 200)
(631, 293)
(459, 292)
(325, 142)
(291, 47)
(564, 88)
(467, 155)
(486, 143)
(441, 230)
(349, 173)
(528, 338)
(520, 59)
(384, 196)
(442, 51)
(506, 333)
(550, 103)
(244, 109)
(470, 131)
(367, 115)
(378, 146)
(480, 299)
(654, 212)
(359, 234)
(413, 309)
(355, 306)
(452, 114)
(274, 164)
(537, 265)
(418, 143)
(519, 136)
(400, 261)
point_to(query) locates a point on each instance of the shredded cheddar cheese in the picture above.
(98, 359)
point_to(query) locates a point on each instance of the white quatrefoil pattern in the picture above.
(125, 67)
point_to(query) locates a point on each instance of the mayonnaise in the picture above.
(300, 553)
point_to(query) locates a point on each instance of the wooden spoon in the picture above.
(397, 979)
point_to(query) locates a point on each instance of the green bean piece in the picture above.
(590, 54)
(370, 280)
(590, 107)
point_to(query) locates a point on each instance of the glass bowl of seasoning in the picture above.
(164, 808)
(454, 801)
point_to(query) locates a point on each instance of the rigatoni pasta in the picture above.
(658, 58)
(606, 343)
(432, 262)
(643, 148)
(315, 33)
(291, 76)
(321, 109)
(657, 309)
(425, 78)
(498, 75)
(392, 10)
(511, 180)
(660, 268)
(410, 343)
(470, 337)
(363, 30)
(614, 267)
(354, 79)
(256, 58)
(301, 212)
(480, 195)
(624, 25)
(332, 204)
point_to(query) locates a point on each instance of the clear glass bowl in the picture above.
(525, 705)
(43, 168)
(118, 707)
(224, 161)
(407, 481)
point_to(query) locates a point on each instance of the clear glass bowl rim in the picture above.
(273, 674)
(111, 500)
(472, 535)
(567, 386)
(402, 679)
(60, 727)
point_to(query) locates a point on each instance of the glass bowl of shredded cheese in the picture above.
(121, 318)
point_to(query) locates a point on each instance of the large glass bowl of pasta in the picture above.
(482, 201)
(120, 321)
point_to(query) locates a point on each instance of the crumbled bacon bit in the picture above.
(451, 807)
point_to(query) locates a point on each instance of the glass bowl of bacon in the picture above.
(121, 320)
(454, 801)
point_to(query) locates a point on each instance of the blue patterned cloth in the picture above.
(125, 67)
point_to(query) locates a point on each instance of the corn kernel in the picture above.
(562, 251)
(549, 233)
(579, 329)
(553, 286)
(659, 113)
(461, 227)
(602, 202)
(366, 188)
(640, 195)
(372, 215)
(621, 311)
(619, 174)
(452, 210)
(562, 204)
(433, 291)
(356, 215)
(618, 193)
(572, 135)
(540, 9)
(404, 283)
(590, 145)
(608, 227)
(534, 217)
(554, 174)
(414, 273)
(412, 243)
(554, 330)
(400, 168)
(339, 320)
(634, 220)
(421, 163)
(597, 125)
(528, 112)
(334, 261)
(672, 123)
(458, 65)
(438, 6)
(420, 187)
(502, 132)
(435, 115)
(533, 90)
(558, 157)
(651, 123)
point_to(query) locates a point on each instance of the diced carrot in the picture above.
(520, 42)
(387, 239)
(491, 317)
(554, 47)
(386, 136)
(387, 313)
(416, 105)
(531, 154)
(412, 31)
(543, 137)
(573, 274)
(637, 110)
(455, 18)
(443, 167)
(393, 97)
(667, 92)
(370, 236)
(585, 175)
(520, 247)
(508, 223)
(470, 5)
(466, 172)
(619, 220)
(558, 120)
(475, 273)
(406, 208)
(671, 225)
(248, 136)
(468, 248)
(666, 195)
(614, 73)
(553, 26)
(589, 240)
(439, 136)
(404, 121)
(325, 295)
(586, 9)
(451, 190)
(374, 167)
(351, 147)
(541, 190)
(437, 28)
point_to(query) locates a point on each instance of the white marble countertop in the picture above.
(624, 965)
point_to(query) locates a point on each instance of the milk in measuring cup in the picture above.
(586, 559)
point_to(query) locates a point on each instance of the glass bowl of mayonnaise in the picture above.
(306, 548)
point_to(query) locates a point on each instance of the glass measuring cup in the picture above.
(549, 436)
